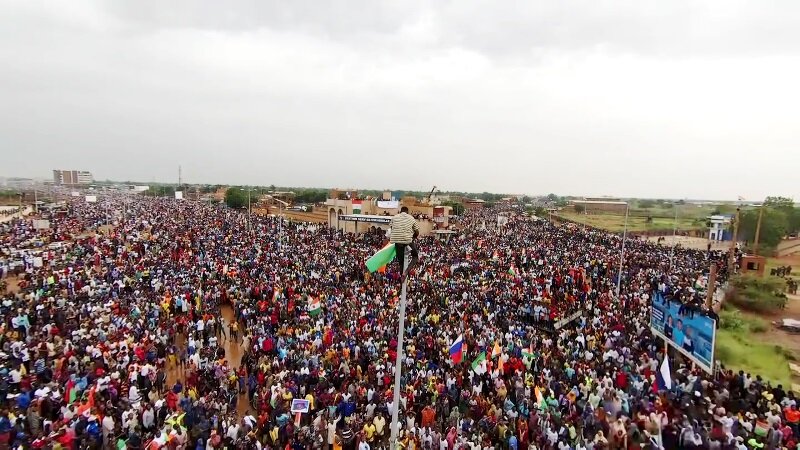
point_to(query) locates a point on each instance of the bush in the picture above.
(731, 320)
(757, 294)
(758, 326)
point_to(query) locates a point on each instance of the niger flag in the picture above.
(383, 257)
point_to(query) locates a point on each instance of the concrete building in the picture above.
(358, 216)
(718, 227)
(72, 177)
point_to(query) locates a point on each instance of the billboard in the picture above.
(692, 334)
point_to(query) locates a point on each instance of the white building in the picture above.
(718, 225)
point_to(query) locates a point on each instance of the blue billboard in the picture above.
(690, 332)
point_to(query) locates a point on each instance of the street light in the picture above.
(622, 253)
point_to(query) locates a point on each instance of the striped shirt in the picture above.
(403, 228)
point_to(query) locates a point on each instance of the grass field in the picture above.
(690, 217)
(740, 350)
(748, 341)
(613, 222)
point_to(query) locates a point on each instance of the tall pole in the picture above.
(622, 253)
(35, 201)
(398, 368)
(758, 229)
(710, 287)
(674, 238)
(732, 255)
(249, 227)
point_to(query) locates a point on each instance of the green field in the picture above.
(740, 350)
(746, 341)
(690, 217)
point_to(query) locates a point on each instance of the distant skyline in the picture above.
(631, 98)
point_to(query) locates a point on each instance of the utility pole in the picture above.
(710, 287)
(395, 423)
(622, 253)
(732, 255)
(758, 229)
(674, 238)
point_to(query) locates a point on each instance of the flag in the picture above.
(539, 397)
(663, 377)
(314, 306)
(496, 350)
(479, 365)
(511, 271)
(382, 258)
(457, 349)
(528, 352)
(356, 206)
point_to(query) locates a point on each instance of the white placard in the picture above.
(91, 199)
(178, 195)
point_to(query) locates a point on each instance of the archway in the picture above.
(333, 219)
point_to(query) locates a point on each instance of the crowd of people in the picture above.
(186, 325)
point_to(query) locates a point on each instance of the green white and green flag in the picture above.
(382, 258)
(479, 364)
(314, 307)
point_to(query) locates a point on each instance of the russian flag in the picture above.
(663, 377)
(457, 349)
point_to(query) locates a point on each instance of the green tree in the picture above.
(236, 198)
(458, 208)
(774, 226)
(540, 211)
(779, 202)
(646, 203)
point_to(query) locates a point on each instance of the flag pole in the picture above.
(395, 425)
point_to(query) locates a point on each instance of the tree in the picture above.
(580, 209)
(774, 226)
(540, 211)
(236, 198)
(779, 202)
(646, 203)
(458, 208)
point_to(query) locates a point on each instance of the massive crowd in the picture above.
(118, 339)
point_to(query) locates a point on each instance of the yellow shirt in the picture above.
(369, 430)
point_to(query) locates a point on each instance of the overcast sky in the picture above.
(697, 99)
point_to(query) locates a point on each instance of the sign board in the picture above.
(362, 218)
(41, 224)
(91, 199)
(300, 405)
(178, 195)
(75, 194)
(692, 334)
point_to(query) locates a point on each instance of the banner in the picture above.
(91, 199)
(691, 333)
(388, 204)
(178, 195)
